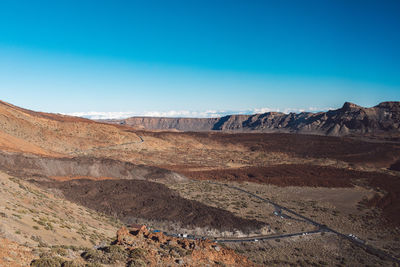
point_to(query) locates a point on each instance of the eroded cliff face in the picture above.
(350, 119)
(180, 124)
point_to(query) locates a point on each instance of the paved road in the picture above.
(321, 227)
(107, 147)
(266, 237)
(245, 239)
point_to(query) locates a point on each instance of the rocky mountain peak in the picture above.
(391, 105)
(347, 106)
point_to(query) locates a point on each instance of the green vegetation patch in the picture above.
(48, 262)
(108, 255)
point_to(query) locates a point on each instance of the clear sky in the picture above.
(199, 57)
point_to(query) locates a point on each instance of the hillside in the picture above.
(23, 130)
(178, 182)
(350, 119)
(53, 135)
(40, 228)
(38, 219)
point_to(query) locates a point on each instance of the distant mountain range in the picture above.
(350, 119)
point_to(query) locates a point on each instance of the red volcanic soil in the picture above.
(51, 116)
(390, 202)
(129, 199)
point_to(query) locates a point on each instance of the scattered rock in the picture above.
(179, 261)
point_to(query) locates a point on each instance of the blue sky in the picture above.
(196, 58)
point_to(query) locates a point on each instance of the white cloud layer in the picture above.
(98, 115)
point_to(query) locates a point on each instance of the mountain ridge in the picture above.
(350, 119)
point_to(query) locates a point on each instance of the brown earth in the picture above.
(316, 250)
(64, 136)
(395, 166)
(32, 219)
(69, 147)
(13, 254)
(390, 201)
(306, 146)
(11, 143)
(282, 175)
(315, 176)
(69, 178)
(43, 114)
(85, 167)
(54, 134)
(131, 199)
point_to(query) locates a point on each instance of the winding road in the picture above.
(321, 228)
(265, 237)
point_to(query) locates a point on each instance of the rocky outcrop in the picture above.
(350, 119)
(181, 124)
(156, 249)
(140, 247)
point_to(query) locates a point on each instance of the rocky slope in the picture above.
(121, 189)
(40, 228)
(62, 169)
(132, 199)
(350, 119)
(33, 219)
(23, 130)
(140, 247)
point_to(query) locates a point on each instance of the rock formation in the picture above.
(349, 119)
(158, 249)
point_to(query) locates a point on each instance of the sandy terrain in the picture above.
(32, 216)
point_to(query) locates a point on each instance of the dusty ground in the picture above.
(129, 199)
(40, 225)
(315, 250)
(338, 208)
(13, 255)
(36, 167)
(36, 217)
(240, 204)
(387, 197)
(262, 148)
